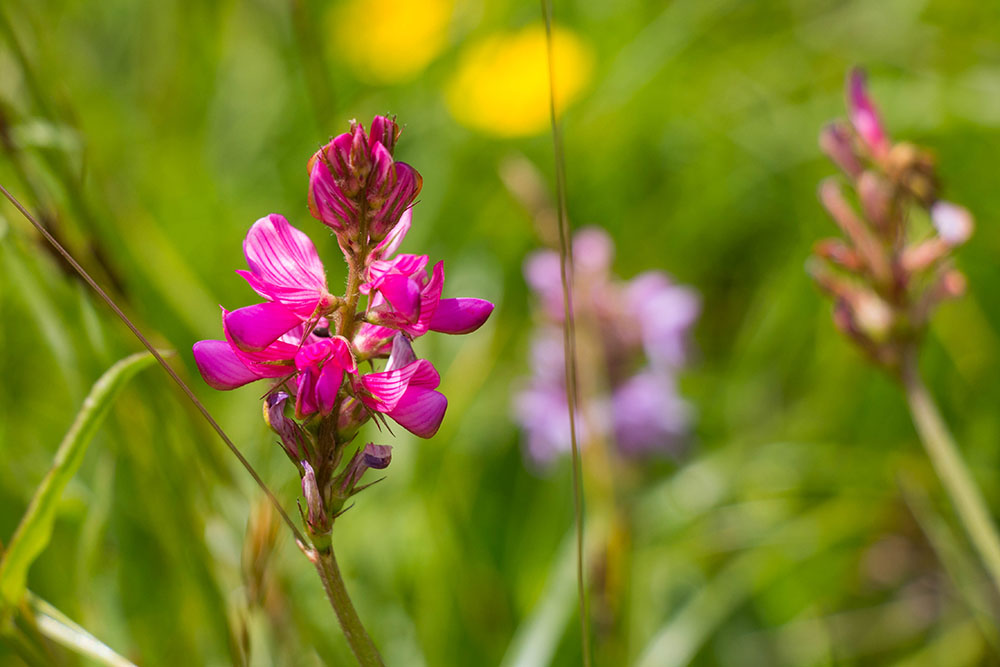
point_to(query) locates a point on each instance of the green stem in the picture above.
(361, 644)
(951, 469)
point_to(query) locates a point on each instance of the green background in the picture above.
(152, 134)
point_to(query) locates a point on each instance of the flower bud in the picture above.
(394, 201)
(292, 436)
(376, 457)
(384, 131)
(835, 141)
(864, 116)
(316, 509)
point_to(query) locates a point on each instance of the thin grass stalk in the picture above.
(951, 469)
(300, 538)
(569, 332)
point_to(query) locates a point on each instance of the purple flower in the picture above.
(649, 416)
(637, 337)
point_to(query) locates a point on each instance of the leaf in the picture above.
(35, 530)
(62, 630)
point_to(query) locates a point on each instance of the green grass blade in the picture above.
(61, 629)
(33, 533)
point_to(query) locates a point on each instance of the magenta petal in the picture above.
(219, 365)
(430, 296)
(864, 115)
(420, 411)
(284, 265)
(255, 327)
(460, 316)
(305, 393)
(327, 386)
(403, 294)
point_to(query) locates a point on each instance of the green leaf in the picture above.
(61, 629)
(35, 530)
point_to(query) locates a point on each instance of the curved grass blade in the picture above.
(35, 530)
(61, 629)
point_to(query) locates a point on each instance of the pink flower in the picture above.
(864, 115)
(405, 391)
(285, 268)
(321, 366)
(405, 298)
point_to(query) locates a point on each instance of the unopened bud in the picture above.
(376, 457)
(839, 253)
(875, 196)
(835, 141)
(864, 115)
(402, 194)
(872, 315)
(292, 435)
(384, 131)
(316, 510)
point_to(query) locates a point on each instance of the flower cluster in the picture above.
(311, 343)
(632, 339)
(894, 266)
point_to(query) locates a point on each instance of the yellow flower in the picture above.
(502, 83)
(389, 40)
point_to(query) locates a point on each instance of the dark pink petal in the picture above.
(305, 393)
(384, 131)
(460, 316)
(273, 361)
(420, 411)
(255, 327)
(284, 265)
(403, 293)
(864, 115)
(327, 386)
(430, 297)
(219, 365)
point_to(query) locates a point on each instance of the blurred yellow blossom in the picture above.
(389, 40)
(501, 85)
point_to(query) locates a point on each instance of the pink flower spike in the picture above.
(864, 115)
(284, 266)
(219, 365)
(254, 328)
(460, 316)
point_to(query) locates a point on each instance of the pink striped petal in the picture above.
(420, 411)
(219, 365)
(387, 387)
(255, 327)
(284, 265)
(460, 316)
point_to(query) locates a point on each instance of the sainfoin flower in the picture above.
(308, 343)
(635, 340)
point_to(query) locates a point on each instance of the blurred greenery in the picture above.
(803, 526)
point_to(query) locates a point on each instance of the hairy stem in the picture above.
(951, 469)
(361, 644)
